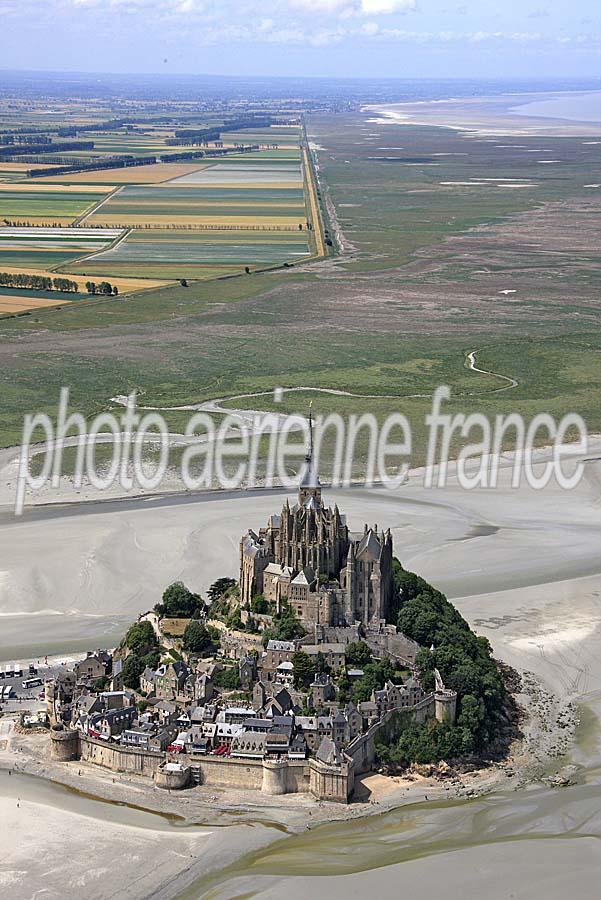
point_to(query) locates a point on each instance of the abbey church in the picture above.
(308, 558)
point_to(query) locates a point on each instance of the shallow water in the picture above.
(417, 831)
(573, 107)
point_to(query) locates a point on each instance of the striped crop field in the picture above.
(36, 204)
(181, 254)
(146, 225)
(181, 203)
(278, 174)
(51, 247)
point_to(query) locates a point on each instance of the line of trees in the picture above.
(114, 162)
(7, 138)
(20, 149)
(103, 287)
(202, 135)
(15, 223)
(25, 281)
(74, 130)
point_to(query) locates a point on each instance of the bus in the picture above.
(7, 692)
(32, 682)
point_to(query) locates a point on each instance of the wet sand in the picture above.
(60, 843)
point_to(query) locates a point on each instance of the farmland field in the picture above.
(247, 208)
(17, 303)
(208, 222)
(124, 285)
(156, 173)
(50, 247)
(39, 204)
(281, 175)
(189, 253)
(183, 202)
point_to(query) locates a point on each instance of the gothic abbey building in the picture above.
(308, 558)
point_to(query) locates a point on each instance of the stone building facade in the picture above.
(308, 558)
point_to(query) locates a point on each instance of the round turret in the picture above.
(64, 743)
(446, 705)
(173, 776)
(274, 776)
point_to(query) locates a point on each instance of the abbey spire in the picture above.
(309, 493)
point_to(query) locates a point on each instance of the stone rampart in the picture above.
(118, 758)
(362, 750)
(271, 776)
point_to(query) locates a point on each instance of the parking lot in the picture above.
(28, 698)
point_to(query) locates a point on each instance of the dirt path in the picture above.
(96, 207)
(470, 362)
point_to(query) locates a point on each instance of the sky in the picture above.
(335, 38)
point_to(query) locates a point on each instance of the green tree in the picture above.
(375, 674)
(227, 679)
(179, 602)
(140, 638)
(286, 627)
(358, 654)
(196, 637)
(304, 669)
(259, 604)
(220, 587)
(132, 669)
(152, 659)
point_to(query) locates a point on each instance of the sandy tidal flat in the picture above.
(511, 114)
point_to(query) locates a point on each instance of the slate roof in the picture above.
(369, 547)
(328, 753)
